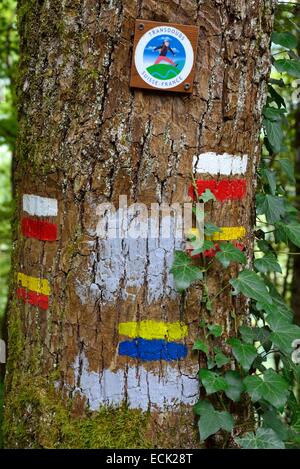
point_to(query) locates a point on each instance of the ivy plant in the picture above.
(256, 365)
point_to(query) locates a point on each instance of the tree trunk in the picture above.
(86, 138)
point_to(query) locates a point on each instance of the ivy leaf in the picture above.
(211, 421)
(290, 66)
(220, 358)
(200, 345)
(288, 168)
(274, 133)
(206, 246)
(270, 177)
(265, 438)
(184, 272)
(215, 330)
(278, 309)
(283, 333)
(273, 388)
(243, 353)
(229, 253)
(263, 245)
(273, 114)
(270, 205)
(210, 229)
(267, 263)
(248, 334)
(271, 420)
(276, 97)
(286, 39)
(212, 381)
(292, 231)
(251, 285)
(207, 196)
(235, 385)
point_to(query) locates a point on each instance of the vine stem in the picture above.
(286, 253)
(220, 291)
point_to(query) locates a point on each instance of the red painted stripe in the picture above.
(213, 251)
(226, 189)
(33, 298)
(39, 229)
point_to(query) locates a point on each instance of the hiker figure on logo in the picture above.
(163, 50)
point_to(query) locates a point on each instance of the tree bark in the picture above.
(86, 138)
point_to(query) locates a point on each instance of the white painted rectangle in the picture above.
(142, 389)
(224, 164)
(39, 206)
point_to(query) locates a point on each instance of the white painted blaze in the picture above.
(123, 265)
(39, 206)
(142, 389)
(224, 164)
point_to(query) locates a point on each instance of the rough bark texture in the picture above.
(86, 138)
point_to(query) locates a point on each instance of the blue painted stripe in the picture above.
(154, 349)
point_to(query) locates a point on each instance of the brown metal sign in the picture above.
(164, 56)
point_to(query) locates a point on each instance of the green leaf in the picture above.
(273, 114)
(270, 205)
(277, 309)
(255, 334)
(283, 333)
(263, 245)
(207, 196)
(288, 168)
(286, 39)
(215, 330)
(248, 334)
(184, 272)
(267, 263)
(200, 345)
(207, 245)
(229, 253)
(235, 385)
(251, 285)
(276, 97)
(221, 359)
(265, 438)
(271, 420)
(210, 229)
(273, 388)
(211, 421)
(292, 231)
(270, 177)
(243, 353)
(290, 66)
(274, 133)
(212, 381)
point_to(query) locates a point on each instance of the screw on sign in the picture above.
(164, 56)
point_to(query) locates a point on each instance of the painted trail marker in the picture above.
(33, 290)
(38, 228)
(153, 340)
(164, 56)
(223, 190)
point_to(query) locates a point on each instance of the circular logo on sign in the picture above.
(164, 57)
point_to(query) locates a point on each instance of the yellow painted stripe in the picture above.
(228, 233)
(154, 330)
(39, 285)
